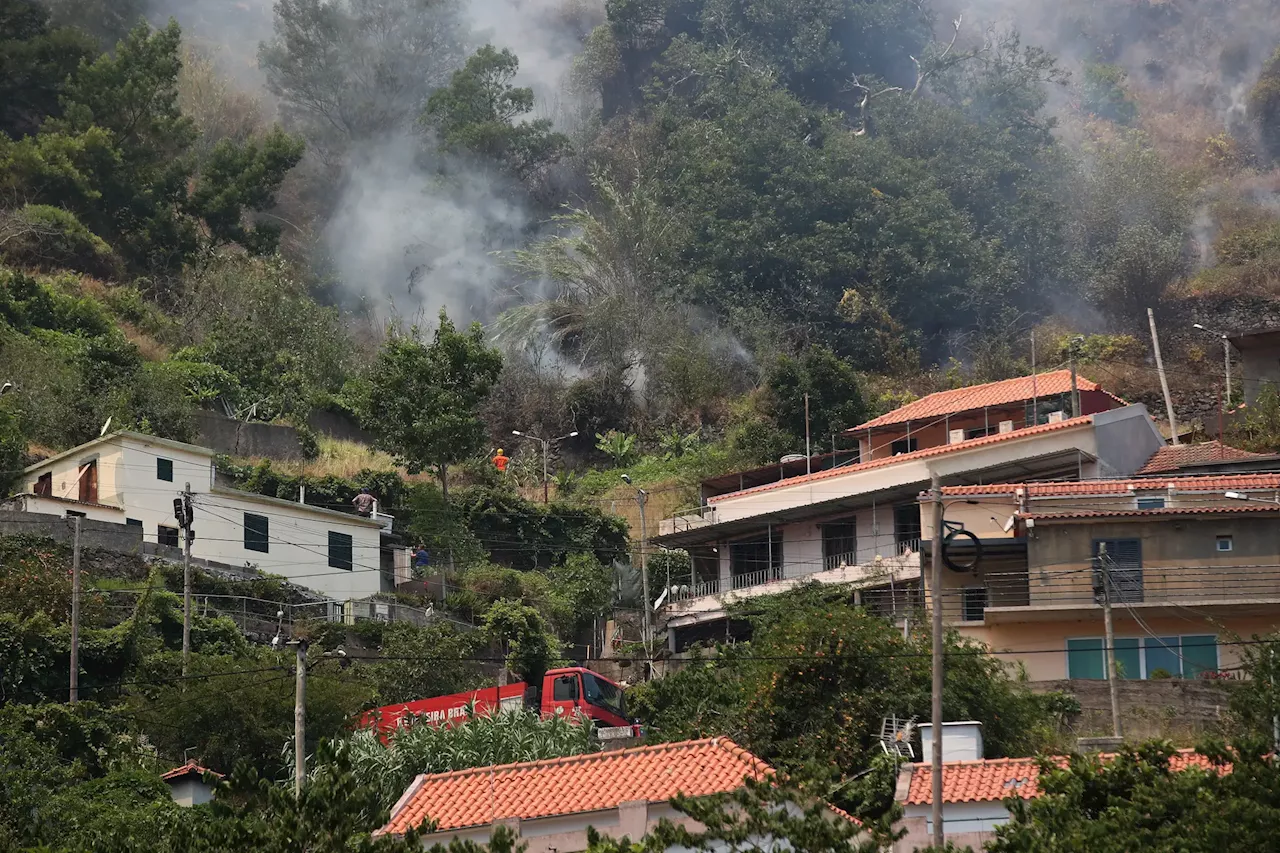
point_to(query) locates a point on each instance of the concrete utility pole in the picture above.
(641, 498)
(1075, 389)
(1164, 381)
(1226, 362)
(808, 454)
(935, 566)
(182, 510)
(1113, 672)
(300, 719)
(546, 449)
(74, 694)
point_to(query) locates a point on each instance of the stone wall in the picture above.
(122, 538)
(247, 438)
(1174, 708)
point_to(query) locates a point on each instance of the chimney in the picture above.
(961, 741)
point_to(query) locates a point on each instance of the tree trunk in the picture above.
(444, 480)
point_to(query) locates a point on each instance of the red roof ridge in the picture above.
(1213, 482)
(925, 453)
(971, 397)
(185, 769)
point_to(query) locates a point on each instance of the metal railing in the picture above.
(908, 546)
(697, 590)
(756, 578)
(836, 561)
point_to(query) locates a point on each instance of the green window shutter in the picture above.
(1163, 653)
(1084, 659)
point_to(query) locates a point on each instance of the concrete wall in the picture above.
(1179, 709)
(568, 833)
(93, 534)
(190, 791)
(339, 426)
(243, 438)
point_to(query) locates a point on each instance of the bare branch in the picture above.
(921, 73)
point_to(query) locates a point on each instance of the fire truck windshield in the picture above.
(602, 693)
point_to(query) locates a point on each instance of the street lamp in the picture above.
(1241, 496)
(546, 448)
(641, 497)
(1226, 360)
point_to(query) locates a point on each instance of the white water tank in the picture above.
(793, 457)
(961, 741)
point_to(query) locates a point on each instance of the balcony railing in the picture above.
(1150, 585)
(835, 561)
(906, 546)
(756, 578)
(697, 590)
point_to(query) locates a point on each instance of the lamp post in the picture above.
(546, 449)
(641, 498)
(1226, 361)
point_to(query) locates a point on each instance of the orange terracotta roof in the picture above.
(995, 779)
(187, 769)
(1173, 457)
(1000, 393)
(1221, 509)
(927, 453)
(1206, 483)
(581, 783)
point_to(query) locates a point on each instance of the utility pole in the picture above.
(641, 497)
(182, 512)
(935, 566)
(808, 454)
(1075, 389)
(300, 719)
(1113, 674)
(1164, 381)
(74, 693)
(546, 450)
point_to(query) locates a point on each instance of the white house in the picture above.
(129, 478)
(764, 531)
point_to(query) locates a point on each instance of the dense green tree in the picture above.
(1136, 801)
(35, 61)
(1104, 94)
(477, 112)
(13, 448)
(422, 400)
(528, 647)
(350, 70)
(425, 661)
(835, 400)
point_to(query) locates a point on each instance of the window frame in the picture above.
(1229, 540)
(44, 485)
(162, 536)
(911, 443)
(161, 462)
(1151, 502)
(1140, 645)
(967, 596)
(337, 562)
(258, 541)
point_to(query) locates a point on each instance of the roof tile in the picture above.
(1173, 457)
(1204, 483)
(186, 769)
(582, 783)
(1227, 509)
(995, 779)
(907, 457)
(979, 396)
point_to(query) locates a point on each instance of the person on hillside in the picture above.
(421, 558)
(363, 503)
(500, 461)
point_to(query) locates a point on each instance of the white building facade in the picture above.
(130, 478)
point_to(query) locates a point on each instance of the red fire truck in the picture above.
(562, 691)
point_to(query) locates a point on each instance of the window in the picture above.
(974, 603)
(603, 694)
(89, 482)
(44, 486)
(906, 525)
(1150, 503)
(256, 532)
(756, 561)
(164, 470)
(1225, 543)
(133, 522)
(1121, 559)
(340, 551)
(167, 536)
(839, 544)
(1139, 658)
(564, 688)
(905, 445)
(978, 433)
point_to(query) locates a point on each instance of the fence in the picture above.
(257, 617)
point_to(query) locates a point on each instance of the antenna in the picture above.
(896, 735)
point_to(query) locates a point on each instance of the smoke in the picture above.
(413, 232)
(1198, 53)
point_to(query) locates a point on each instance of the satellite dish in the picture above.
(104, 429)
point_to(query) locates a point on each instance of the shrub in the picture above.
(47, 238)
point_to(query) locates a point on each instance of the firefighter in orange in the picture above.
(500, 461)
